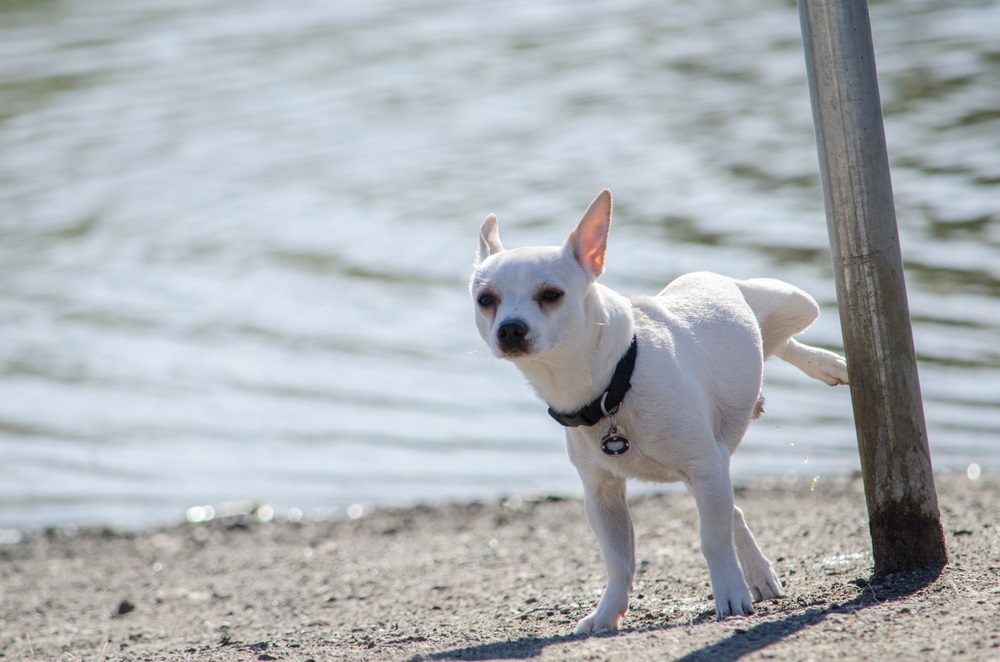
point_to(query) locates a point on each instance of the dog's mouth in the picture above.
(514, 352)
(510, 349)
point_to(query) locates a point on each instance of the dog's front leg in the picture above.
(607, 511)
(713, 493)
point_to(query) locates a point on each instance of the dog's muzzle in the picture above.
(512, 336)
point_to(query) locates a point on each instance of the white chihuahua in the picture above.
(656, 388)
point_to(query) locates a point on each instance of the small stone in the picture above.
(124, 607)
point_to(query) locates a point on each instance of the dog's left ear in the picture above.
(489, 238)
(589, 241)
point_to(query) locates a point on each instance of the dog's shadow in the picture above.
(742, 642)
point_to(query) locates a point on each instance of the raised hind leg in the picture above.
(820, 364)
(783, 310)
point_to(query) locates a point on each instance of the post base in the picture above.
(904, 540)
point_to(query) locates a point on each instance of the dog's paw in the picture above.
(599, 621)
(836, 371)
(764, 583)
(733, 601)
(828, 367)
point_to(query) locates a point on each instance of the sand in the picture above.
(499, 580)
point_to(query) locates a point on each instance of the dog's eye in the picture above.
(550, 295)
(486, 300)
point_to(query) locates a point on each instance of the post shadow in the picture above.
(877, 590)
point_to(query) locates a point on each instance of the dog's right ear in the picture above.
(489, 238)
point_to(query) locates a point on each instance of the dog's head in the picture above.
(530, 301)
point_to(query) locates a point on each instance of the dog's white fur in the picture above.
(696, 386)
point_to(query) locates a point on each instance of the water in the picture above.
(235, 237)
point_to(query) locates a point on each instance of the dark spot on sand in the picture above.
(124, 607)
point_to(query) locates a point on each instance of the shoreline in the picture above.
(498, 580)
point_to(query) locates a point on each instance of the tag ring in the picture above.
(604, 409)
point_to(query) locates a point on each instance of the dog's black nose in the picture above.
(512, 335)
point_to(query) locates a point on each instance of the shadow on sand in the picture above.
(875, 591)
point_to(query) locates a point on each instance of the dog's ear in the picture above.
(489, 238)
(589, 241)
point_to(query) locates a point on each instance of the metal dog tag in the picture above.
(613, 443)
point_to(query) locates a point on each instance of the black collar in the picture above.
(608, 401)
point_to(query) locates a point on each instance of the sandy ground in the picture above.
(503, 580)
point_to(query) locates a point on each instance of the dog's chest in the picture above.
(641, 461)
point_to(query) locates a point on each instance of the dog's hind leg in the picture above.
(713, 494)
(757, 570)
(820, 364)
(783, 310)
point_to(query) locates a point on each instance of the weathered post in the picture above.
(903, 513)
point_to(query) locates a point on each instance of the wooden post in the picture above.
(903, 513)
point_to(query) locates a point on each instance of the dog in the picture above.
(657, 388)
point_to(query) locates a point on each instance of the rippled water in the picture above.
(235, 236)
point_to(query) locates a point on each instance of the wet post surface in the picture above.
(892, 436)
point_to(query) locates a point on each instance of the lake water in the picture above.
(235, 237)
